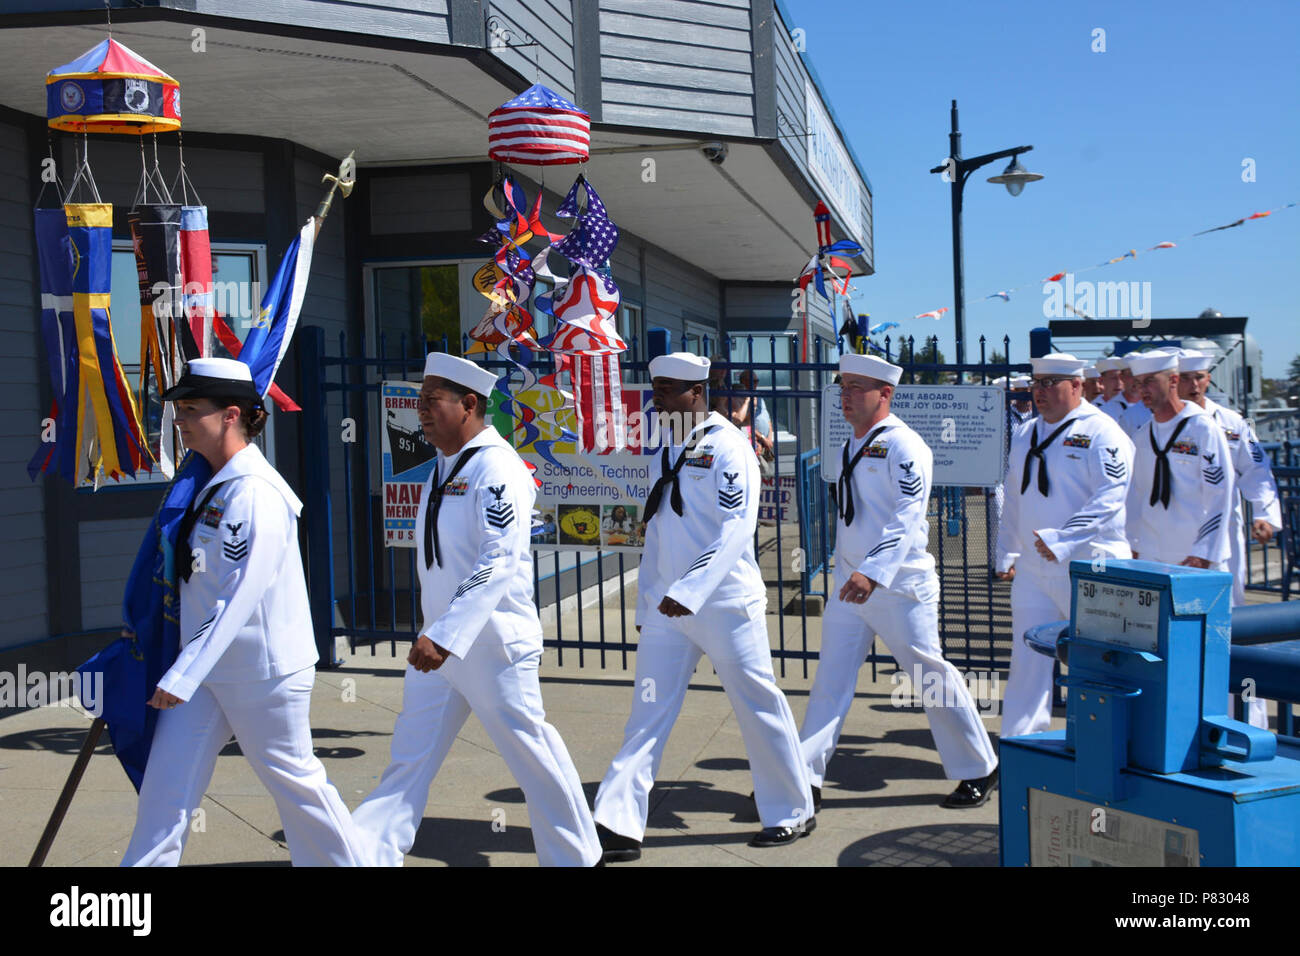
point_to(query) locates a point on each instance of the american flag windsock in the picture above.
(196, 270)
(822, 216)
(539, 128)
(598, 403)
(586, 310)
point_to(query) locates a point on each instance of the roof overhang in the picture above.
(400, 103)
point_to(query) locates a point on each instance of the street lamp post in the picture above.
(957, 170)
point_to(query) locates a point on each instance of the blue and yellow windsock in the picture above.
(108, 416)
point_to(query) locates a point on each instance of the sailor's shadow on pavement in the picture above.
(462, 842)
(863, 770)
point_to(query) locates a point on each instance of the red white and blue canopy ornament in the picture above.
(110, 89)
(539, 128)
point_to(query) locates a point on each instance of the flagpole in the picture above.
(69, 790)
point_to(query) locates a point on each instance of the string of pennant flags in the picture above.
(1005, 294)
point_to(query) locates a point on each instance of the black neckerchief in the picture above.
(844, 498)
(185, 554)
(1161, 480)
(668, 476)
(1036, 451)
(432, 550)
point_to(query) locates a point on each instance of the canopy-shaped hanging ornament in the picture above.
(539, 128)
(110, 89)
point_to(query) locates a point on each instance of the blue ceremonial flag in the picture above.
(151, 610)
(268, 339)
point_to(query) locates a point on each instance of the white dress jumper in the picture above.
(246, 666)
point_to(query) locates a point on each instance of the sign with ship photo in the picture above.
(407, 461)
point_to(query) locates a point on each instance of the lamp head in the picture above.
(1015, 176)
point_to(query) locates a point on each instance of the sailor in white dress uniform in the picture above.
(1255, 480)
(1255, 483)
(248, 655)
(886, 586)
(1135, 414)
(1111, 400)
(481, 642)
(1180, 501)
(1067, 482)
(1091, 385)
(700, 592)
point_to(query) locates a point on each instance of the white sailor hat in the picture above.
(463, 372)
(1154, 361)
(1111, 363)
(999, 381)
(214, 378)
(871, 366)
(1019, 381)
(1058, 363)
(682, 366)
(1191, 360)
(1090, 371)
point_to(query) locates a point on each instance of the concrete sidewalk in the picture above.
(881, 800)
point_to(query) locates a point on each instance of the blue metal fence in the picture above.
(373, 597)
(1274, 566)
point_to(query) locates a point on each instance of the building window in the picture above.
(419, 303)
(632, 327)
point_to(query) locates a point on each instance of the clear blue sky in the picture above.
(1139, 144)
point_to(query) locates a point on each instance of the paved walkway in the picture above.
(881, 801)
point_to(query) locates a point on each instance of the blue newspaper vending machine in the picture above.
(1150, 770)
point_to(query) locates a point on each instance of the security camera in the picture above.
(715, 153)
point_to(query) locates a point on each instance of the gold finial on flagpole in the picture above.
(345, 180)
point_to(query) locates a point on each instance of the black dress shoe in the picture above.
(780, 836)
(972, 793)
(618, 848)
(816, 794)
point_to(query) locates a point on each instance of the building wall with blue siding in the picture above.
(677, 64)
(22, 501)
(108, 549)
(548, 24)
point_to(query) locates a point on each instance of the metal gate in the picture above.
(367, 593)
